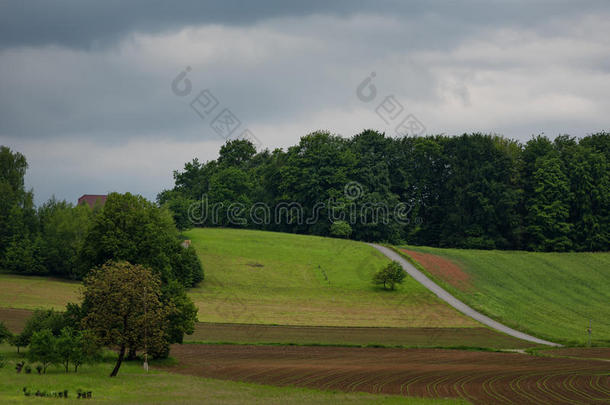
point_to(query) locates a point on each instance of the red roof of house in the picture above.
(92, 199)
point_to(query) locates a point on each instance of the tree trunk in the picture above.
(118, 362)
(132, 354)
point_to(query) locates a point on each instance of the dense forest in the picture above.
(470, 191)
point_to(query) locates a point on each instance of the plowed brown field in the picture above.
(481, 377)
(442, 268)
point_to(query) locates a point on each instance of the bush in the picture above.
(390, 275)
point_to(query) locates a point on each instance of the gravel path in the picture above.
(454, 302)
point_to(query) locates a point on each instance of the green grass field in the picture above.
(551, 295)
(278, 278)
(33, 292)
(134, 386)
(275, 278)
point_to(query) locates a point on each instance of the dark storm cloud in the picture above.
(91, 23)
(82, 23)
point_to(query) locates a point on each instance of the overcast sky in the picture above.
(89, 90)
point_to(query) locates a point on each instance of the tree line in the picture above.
(66, 240)
(471, 191)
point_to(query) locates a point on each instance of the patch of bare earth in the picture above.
(442, 268)
(481, 377)
(14, 319)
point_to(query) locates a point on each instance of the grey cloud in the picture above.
(90, 23)
(86, 23)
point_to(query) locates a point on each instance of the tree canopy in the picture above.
(470, 191)
(389, 276)
(125, 308)
(133, 229)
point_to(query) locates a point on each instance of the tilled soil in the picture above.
(481, 377)
(14, 319)
(442, 268)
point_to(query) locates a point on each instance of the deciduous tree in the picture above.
(125, 309)
(43, 348)
(390, 275)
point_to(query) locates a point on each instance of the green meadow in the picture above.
(278, 278)
(275, 278)
(31, 292)
(551, 295)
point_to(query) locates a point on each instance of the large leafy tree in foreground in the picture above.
(125, 308)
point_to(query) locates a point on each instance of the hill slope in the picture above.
(277, 278)
(551, 295)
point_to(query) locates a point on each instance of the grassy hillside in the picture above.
(277, 278)
(552, 295)
(37, 292)
(135, 386)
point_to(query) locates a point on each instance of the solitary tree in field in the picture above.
(125, 308)
(390, 275)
